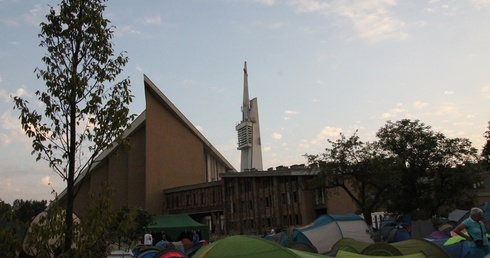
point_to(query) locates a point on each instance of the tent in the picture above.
(294, 239)
(421, 228)
(394, 233)
(175, 225)
(381, 249)
(345, 254)
(456, 214)
(351, 245)
(41, 219)
(328, 229)
(411, 246)
(249, 246)
(459, 249)
(170, 253)
(415, 245)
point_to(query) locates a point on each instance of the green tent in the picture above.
(175, 225)
(412, 246)
(250, 247)
(415, 245)
(346, 254)
(350, 245)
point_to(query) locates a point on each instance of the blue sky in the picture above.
(318, 68)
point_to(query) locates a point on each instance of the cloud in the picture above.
(277, 136)
(304, 144)
(485, 90)
(199, 128)
(151, 20)
(420, 105)
(445, 109)
(395, 111)
(371, 19)
(269, 25)
(481, 3)
(130, 31)
(288, 114)
(46, 180)
(12, 131)
(37, 14)
(7, 97)
(326, 133)
(9, 22)
(266, 2)
(9, 122)
(448, 92)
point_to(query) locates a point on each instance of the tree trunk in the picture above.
(70, 195)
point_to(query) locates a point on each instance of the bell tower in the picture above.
(249, 131)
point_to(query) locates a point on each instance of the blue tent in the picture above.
(326, 230)
(294, 239)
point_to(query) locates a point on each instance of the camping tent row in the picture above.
(249, 246)
(414, 246)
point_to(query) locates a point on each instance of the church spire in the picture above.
(246, 100)
(249, 131)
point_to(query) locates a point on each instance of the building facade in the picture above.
(255, 202)
(167, 151)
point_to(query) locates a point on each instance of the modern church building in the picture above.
(167, 151)
(172, 168)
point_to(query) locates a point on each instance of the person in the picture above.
(477, 227)
(148, 239)
(195, 237)
(162, 242)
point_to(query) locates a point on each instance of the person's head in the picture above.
(476, 214)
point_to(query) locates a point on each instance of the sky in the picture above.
(318, 69)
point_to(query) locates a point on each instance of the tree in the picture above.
(436, 171)
(486, 149)
(362, 170)
(94, 233)
(82, 117)
(10, 232)
(26, 210)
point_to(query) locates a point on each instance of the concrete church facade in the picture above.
(167, 151)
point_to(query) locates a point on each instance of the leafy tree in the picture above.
(82, 116)
(10, 235)
(26, 210)
(435, 170)
(486, 149)
(138, 218)
(93, 234)
(361, 169)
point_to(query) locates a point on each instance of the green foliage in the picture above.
(486, 149)
(361, 169)
(26, 210)
(409, 167)
(435, 170)
(85, 107)
(94, 234)
(10, 232)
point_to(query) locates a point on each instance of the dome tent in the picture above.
(249, 246)
(412, 246)
(326, 230)
(294, 239)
